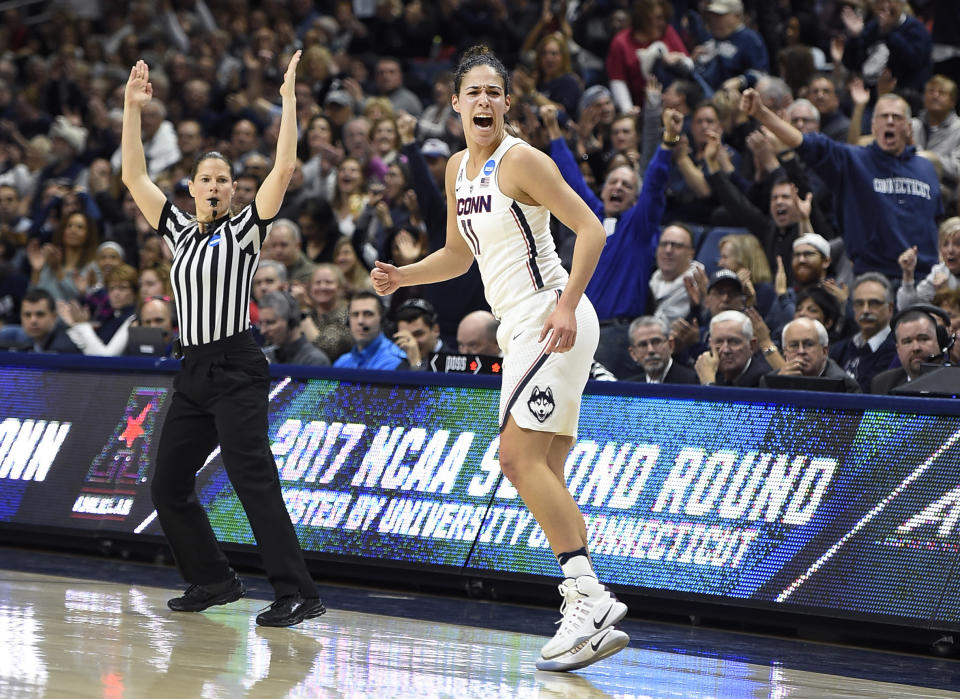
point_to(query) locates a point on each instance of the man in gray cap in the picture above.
(67, 145)
(734, 49)
(596, 114)
(339, 107)
(724, 292)
(68, 142)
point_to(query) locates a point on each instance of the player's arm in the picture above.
(533, 177)
(533, 173)
(452, 260)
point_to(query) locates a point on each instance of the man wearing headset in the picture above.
(280, 318)
(418, 332)
(920, 339)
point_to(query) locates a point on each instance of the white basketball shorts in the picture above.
(542, 391)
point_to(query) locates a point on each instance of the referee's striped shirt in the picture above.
(212, 271)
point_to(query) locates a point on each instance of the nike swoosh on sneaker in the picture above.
(599, 624)
(596, 646)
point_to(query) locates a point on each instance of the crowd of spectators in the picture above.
(778, 180)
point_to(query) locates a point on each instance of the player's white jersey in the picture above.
(511, 241)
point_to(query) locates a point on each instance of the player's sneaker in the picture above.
(601, 645)
(588, 607)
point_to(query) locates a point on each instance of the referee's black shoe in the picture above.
(200, 597)
(291, 610)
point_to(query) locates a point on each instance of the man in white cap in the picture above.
(67, 143)
(160, 144)
(810, 260)
(809, 264)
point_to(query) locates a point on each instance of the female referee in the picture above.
(501, 193)
(220, 393)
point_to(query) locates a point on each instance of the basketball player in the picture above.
(505, 191)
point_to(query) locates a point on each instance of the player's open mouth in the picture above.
(781, 211)
(483, 121)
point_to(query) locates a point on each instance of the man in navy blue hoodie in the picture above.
(888, 196)
(618, 288)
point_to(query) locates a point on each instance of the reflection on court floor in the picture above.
(82, 638)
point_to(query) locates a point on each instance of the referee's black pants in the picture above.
(220, 396)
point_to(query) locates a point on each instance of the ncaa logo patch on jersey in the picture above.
(489, 166)
(214, 240)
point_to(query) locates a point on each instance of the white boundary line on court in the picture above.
(153, 515)
(829, 553)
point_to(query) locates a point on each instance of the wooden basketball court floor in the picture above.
(81, 627)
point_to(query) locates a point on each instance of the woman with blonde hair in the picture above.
(377, 108)
(155, 280)
(326, 324)
(554, 75)
(348, 198)
(743, 253)
(943, 275)
(356, 276)
(320, 156)
(385, 140)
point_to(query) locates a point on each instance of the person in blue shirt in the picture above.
(372, 349)
(888, 197)
(618, 288)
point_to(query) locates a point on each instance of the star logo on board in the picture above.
(135, 426)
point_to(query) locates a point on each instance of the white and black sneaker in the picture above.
(599, 646)
(588, 607)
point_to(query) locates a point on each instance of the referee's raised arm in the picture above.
(271, 192)
(149, 198)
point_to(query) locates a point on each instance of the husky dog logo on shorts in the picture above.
(541, 403)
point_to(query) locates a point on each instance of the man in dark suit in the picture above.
(917, 344)
(871, 350)
(732, 359)
(38, 317)
(805, 344)
(651, 347)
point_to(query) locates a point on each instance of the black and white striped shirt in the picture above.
(212, 271)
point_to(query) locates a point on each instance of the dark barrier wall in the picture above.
(844, 506)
